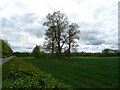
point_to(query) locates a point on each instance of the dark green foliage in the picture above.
(22, 74)
(82, 72)
(36, 51)
(5, 49)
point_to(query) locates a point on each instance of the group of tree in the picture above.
(5, 49)
(60, 35)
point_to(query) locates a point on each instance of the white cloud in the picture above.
(21, 21)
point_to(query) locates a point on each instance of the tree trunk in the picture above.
(52, 48)
(69, 50)
(59, 50)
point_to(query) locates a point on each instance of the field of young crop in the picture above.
(81, 72)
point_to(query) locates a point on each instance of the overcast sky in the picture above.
(21, 22)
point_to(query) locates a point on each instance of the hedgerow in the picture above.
(24, 75)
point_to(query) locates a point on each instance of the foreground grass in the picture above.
(18, 73)
(82, 72)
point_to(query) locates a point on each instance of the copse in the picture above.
(5, 49)
(60, 35)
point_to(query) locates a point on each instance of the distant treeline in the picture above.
(49, 55)
(104, 53)
(21, 54)
(95, 54)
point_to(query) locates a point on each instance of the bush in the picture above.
(24, 75)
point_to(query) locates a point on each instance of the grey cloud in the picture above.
(19, 47)
(90, 36)
(95, 42)
(18, 30)
(37, 31)
(96, 33)
(91, 39)
(13, 4)
(23, 23)
(20, 5)
(25, 19)
(6, 23)
(1, 8)
(90, 48)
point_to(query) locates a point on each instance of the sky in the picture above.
(21, 22)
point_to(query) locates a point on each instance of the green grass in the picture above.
(81, 72)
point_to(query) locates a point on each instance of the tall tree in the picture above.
(50, 42)
(57, 21)
(73, 34)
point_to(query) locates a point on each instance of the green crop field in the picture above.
(81, 72)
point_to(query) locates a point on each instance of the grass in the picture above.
(81, 72)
